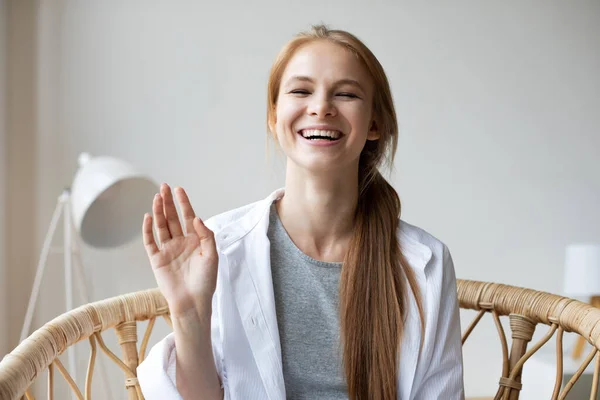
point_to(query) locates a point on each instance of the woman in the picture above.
(319, 291)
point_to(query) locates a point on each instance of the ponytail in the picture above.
(373, 295)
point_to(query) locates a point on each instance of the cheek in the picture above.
(281, 119)
(359, 118)
(287, 112)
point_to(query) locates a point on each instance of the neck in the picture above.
(317, 212)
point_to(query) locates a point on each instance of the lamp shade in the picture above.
(108, 200)
(582, 270)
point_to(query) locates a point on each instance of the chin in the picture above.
(319, 165)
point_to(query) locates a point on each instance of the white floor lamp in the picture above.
(105, 205)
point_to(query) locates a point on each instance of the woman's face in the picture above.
(324, 108)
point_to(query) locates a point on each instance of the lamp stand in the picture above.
(580, 344)
(63, 207)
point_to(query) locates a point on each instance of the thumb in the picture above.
(208, 245)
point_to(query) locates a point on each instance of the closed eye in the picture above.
(350, 95)
(300, 91)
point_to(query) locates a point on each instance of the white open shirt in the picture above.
(245, 337)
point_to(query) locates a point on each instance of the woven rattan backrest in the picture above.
(40, 351)
(525, 308)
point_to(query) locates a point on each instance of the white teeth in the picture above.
(307, 133)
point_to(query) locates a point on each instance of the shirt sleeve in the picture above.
(156, 374)
(444, 376)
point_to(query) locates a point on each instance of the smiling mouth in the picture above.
(319, 134)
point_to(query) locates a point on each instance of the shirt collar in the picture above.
(412, 248)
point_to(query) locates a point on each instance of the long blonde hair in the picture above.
(373, 292)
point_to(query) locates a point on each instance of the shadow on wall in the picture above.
(21, 182)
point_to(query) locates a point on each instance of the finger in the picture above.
(208, 245)
(148, 236)
(162, 231)
(187, 211)
(170, 211)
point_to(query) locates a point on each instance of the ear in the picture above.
(373, 133)
(271, 123)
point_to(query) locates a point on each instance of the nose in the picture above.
(321, 106)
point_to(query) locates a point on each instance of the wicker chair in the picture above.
(526, 308)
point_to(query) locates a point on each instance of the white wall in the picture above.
(497, 103)
(3, 284)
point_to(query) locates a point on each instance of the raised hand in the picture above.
(184, 264)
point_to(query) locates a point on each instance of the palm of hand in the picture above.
(185, 267)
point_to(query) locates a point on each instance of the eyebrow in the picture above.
(337, 83)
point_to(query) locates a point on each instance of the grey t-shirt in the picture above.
(307, 304)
